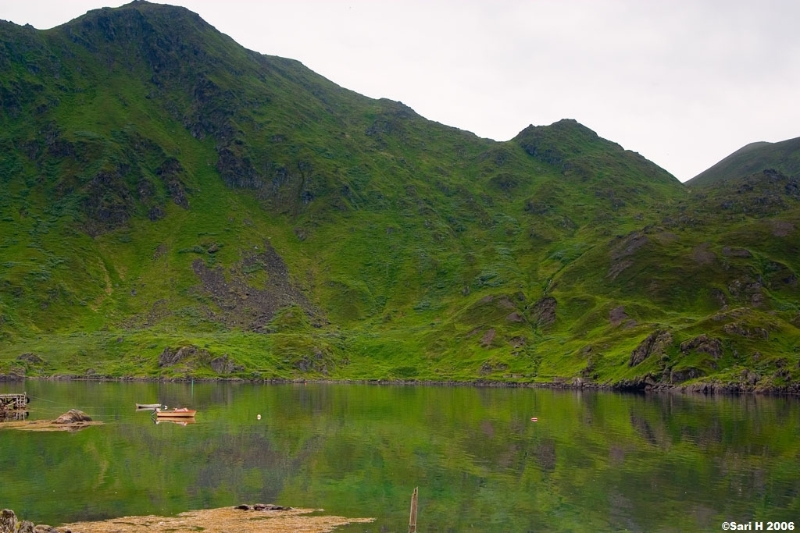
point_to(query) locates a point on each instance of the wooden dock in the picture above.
(13, 402)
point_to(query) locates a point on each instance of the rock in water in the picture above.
(270, 507)
(26, 526)
(72, 416)
(8, 521)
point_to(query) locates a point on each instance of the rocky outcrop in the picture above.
(703, 343)
(617, 315)
(717, 387)
(515, 317)
(240, 302)
(781, 228)
(629, 245)
(488, 338)
(225, 365)
(8, 524)
(8, 521)
(319, 360)
(72, 416)
(655, 344)
(543, 312)
(262, 507)
(747, 288)
(236, 169)
(749, 377)
(639, 383)
(685, 374)
(108, 203)
(195, 357)
(30, 358)
(622, 252)
(489, 367)
(720, 298)
(727, 251)
(170, 173)
(736, 328)
(172, 356)
(702, 254)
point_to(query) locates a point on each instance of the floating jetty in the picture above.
(13, 402)
(13, 406)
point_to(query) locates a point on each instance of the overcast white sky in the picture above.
(684, 83)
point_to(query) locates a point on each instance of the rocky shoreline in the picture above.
(644, 384)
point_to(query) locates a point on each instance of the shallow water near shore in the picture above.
(593, 461)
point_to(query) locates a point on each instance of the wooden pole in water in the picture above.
(412, 520)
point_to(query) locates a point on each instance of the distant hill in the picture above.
(173, 205)
(756, 157)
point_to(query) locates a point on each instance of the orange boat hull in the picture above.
(175, 414)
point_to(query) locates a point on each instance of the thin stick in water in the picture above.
(412, 520)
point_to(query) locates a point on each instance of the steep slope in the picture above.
(709, 293)
(756, 157)
(175, 205)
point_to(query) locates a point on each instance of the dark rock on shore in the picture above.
(262, 507)
(641, 383)
(685, 374)
(740, 388)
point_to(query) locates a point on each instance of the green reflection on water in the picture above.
(593, 461)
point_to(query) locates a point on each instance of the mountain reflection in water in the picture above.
(591, 461)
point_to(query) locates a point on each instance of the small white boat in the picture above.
(144, 406)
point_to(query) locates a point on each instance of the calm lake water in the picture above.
(593, 462)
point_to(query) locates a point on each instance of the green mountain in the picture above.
(175, 205)
(756, 157)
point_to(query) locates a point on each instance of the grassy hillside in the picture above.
(756, 157)
(175, 205)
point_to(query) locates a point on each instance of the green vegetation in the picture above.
(756, 157)
(164, 188)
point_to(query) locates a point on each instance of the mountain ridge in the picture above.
(170, 192)
(783, 156)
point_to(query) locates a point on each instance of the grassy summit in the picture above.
(175, 205)
(756, 157)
